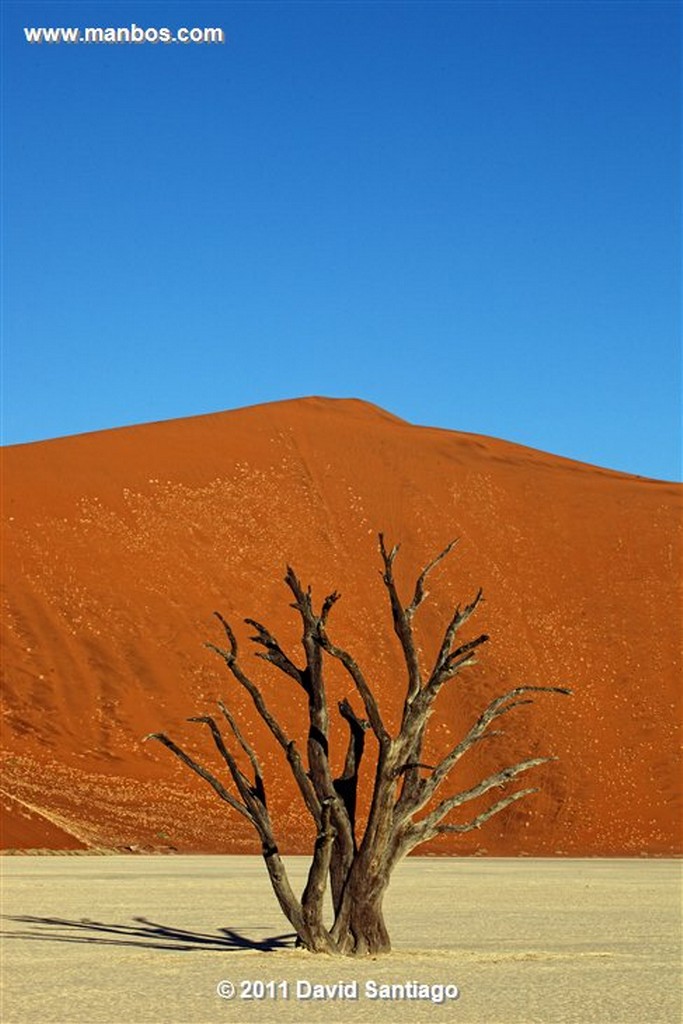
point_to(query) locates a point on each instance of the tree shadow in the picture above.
(143, 934)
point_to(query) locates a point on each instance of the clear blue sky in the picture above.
(466, 213)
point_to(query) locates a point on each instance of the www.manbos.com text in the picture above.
(124, 35)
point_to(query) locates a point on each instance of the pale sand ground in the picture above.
(526, 942)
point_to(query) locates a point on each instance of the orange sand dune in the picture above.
(119, 545)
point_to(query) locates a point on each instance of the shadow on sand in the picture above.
(143, 934)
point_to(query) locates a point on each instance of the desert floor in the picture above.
(138, 939)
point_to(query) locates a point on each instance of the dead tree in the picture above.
(405, 808)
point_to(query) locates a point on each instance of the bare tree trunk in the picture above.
(360, 928)
(358, 869)
(366, 933)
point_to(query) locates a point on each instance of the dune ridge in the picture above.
(119, 545)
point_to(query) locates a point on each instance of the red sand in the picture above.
(119, 545)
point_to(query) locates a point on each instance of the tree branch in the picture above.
(485, 815)
(401, 618)
(346, 784)
(420, 592)
(249, 792)
(313, 895)
(354, 752)
(314, 683)
(248, 750)
(459, 619)
(228, 632)
(203, 773)
(498, 780)
(411, 766)
(459, 656)
(255, 811)
(448, 666)
(364, 691)
(289, 746)
(418, 796)
(328, 604)
(274, 653)
(318, 733)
